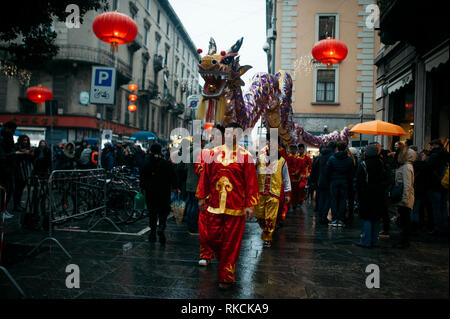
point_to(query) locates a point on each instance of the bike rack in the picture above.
(3, 269)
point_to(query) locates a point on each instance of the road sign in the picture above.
(193, 101)
(84, 98)
(103, 85)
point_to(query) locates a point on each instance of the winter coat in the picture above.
(158, 178)
(405, 174)
(437, 162)
(24, 165)
(421, 178)
(107, 159)
(371, 191)
(42, 160)
(323, 182)
(66, 159)
(340, 168)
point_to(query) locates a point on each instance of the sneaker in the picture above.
(333, 223)
(340, 223)
(8, 215)
(204, 262)
(384, 234)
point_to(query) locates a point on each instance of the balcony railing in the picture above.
(92, 55)
(137, 43)
(158, 63)
(150, 89)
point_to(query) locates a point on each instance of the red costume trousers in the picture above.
(206, 251)
(295, 194)
(223, 236)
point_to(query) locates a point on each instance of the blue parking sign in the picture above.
(103, 77)
(103, 85)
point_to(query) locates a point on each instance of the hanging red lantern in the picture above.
(208, 126)
(132, 87)
(115, 28)
(132, 97)
(329, 51)
(39, 94)
(132, 107)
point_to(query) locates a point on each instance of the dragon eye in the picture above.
(214, 62)
(199, 61)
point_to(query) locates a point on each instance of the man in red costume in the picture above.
(230, 184)
(295, 168)
(305, 165)
(206, 252)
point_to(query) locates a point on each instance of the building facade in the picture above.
(162, 61)
(413, 67)
(325, 99)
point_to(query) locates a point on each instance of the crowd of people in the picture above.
(20, 161)
(220, 190)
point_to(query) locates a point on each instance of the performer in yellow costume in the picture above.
(272, 177)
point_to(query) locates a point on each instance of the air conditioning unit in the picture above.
(271, 34)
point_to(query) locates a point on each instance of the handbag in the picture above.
(395, 192)
(178, 207)
(139, 202)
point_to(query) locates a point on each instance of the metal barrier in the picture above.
(8, 275)
(72, 195)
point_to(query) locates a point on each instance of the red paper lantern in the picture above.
(114, 28)
(132, 97)
(208, 126)
(132, 107)
(39, 94)
(132, 87)
(329, 51)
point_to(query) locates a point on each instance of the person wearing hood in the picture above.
(437, 164)
(371, 183)
(340, 172)
(66, 160)
(323, 187)
(23, 169)
(42, 159)
(107, 157)
(404, 174)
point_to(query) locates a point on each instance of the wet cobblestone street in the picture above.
(305, 261)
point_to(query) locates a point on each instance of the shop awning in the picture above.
(437, 59)
(400, 82)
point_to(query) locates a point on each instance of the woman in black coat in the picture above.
(23, 169)
(371, 183)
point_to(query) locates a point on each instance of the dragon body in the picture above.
(269, 97)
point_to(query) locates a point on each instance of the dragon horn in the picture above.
(212, 47)
(235, 48)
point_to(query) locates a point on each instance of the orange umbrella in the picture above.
(378, 128)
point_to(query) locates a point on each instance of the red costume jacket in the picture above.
(229, 180)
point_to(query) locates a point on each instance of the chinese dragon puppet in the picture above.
(269, 97)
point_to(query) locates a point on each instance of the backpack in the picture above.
(444, 179)
(85, 156)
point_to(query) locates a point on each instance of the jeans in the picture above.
(438, 200)
(339, 196)
(369, 236)
(405, 223)
(192, 212)
(323, 198)
(416, 210)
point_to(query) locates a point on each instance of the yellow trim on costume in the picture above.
(224, 186)
(227, 211)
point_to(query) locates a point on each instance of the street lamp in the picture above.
(266, 47)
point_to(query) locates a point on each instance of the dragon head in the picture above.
(221, 70)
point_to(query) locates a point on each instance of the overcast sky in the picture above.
(226, 22)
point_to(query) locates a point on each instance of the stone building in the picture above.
(162, 61)
(324, 99)
(413, 67)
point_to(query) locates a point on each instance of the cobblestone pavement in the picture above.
(305, 261)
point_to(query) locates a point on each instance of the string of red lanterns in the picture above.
(132, 97)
